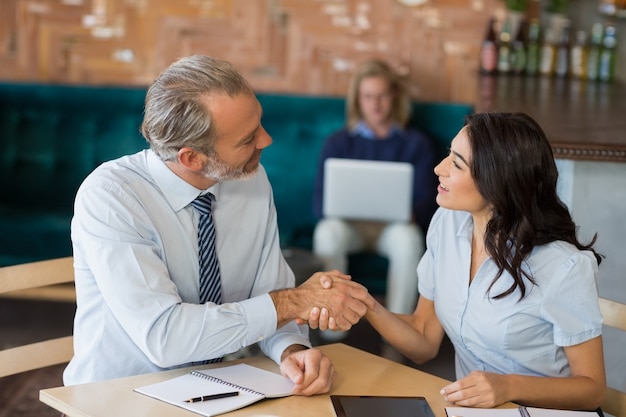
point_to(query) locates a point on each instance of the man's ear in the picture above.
(191, 159)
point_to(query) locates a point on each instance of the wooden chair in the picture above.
(614, 315)
(32, 280)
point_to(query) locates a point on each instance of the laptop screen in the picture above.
(357, 189)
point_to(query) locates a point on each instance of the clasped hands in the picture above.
(338, 302)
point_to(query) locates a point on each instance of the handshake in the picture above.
(328, 300)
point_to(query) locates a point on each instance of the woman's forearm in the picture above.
(404, 334)
(571, 393)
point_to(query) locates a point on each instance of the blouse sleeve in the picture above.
(571, 300)
(426, 266)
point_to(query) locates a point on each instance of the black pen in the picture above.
(212, 397)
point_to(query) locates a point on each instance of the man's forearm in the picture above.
(287, 305)
(346, 301)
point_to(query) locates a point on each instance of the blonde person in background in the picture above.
(505, 277)
(378, 110)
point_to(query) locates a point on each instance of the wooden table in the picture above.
(359, 373)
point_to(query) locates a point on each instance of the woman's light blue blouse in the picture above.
(509, 335)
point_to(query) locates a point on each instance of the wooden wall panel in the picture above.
(298, 46)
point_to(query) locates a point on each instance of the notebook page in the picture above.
(176, 390)
(482, 412)
(270, 384)
(543, 412)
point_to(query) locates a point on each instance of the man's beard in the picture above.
(219, 170)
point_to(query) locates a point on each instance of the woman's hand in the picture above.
(478, 389)
(320, 318)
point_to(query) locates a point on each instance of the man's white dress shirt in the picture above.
(135, 242)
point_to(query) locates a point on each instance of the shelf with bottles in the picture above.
(549, 50)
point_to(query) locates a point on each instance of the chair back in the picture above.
(614, 315)
(25, 280)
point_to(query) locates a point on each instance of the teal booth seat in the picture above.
(52, 136)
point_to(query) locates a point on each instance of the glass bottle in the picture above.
(504, 48)
(518, 49)
(593, 59)
(579, 56)
(606, 66)
(547, 54)
(489, 50)
(533, 47)
(561, 63)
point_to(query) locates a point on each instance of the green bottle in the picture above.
(518, 49)
(504, 49)
(608, 52)
(533, 47)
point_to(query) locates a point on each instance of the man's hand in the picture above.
(311, 371)
(345, 300)
(320, 317)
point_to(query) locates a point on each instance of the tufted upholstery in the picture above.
(52, 136)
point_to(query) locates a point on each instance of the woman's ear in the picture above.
(191, 159)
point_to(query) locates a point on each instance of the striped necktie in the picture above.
(210, 284)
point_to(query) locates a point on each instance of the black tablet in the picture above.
(380, 406)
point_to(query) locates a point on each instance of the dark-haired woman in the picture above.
(505, 277)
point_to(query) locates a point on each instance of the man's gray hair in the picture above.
(175, 115)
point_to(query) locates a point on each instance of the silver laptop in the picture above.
(368, 190)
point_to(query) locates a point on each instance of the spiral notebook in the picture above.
(252, 384)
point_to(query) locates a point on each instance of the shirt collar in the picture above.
(363, 130)
(466, 228)
(178, 192)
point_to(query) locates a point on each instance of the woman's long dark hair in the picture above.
(514, 170)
